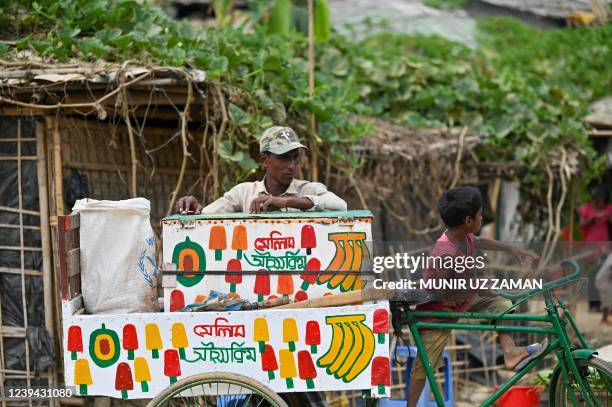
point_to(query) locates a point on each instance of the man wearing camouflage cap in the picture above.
(278, 190)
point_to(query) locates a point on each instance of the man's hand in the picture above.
(267, 203)
(188, 204)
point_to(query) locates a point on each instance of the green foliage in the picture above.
(526, 90)
(280, 22)
(322, 23)
(444, 4)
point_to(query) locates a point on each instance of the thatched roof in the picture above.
(390, 139)
(26, 75)
(545, 8)
(600, 113)
(37, 87)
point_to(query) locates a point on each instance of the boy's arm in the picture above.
(495, 245)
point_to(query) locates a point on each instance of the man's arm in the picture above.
(228, 203)
(267, 203)
(322, 199)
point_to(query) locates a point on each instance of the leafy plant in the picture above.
(444, 4)
(526, 90)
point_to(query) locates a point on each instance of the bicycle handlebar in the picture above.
(546, 286)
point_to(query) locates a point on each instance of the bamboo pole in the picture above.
(571, 214)
(43, 198)
(184, 120)
(130, 131)
(57, 164)
(311, 86)
(24, 308)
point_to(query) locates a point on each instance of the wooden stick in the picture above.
(311, 86)
(47, 272)
(353, 297)
(53, 123)
(128, 123)
(22, 249)
(43, 198)
(184, 119)
(571, 214)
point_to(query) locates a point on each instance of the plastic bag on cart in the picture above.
(118, 266)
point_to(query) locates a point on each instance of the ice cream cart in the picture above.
(235, 357)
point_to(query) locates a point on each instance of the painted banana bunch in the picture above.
(351, 348)
(351, 248)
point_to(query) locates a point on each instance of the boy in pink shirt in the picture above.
(461, 210)
(595, 216)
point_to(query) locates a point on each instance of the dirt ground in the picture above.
(597, 334)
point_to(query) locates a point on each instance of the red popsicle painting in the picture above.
(130, 340)
(262, 284)
(233, 279)
(75, 341)
(123, 379)
(306, 368)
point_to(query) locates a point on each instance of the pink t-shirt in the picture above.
(445, 247)
(596, 231)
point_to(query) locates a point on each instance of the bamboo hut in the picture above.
(110, 131)
(74, 131)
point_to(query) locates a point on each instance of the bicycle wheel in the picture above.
(596, 373)
(218, 389)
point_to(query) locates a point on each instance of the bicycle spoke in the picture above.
(215, 391)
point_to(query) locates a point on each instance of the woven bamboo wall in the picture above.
(96, 163)
(26, 314)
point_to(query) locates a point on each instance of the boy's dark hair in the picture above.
(456, 204)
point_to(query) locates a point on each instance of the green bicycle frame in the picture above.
(556, 325)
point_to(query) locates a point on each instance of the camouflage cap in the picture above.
(279, 140)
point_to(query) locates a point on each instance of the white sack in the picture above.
(118, 263)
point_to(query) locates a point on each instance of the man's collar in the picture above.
(260, 187)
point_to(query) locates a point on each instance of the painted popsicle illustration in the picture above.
(123, 379)
(310, 278)
(239, 240)
(300, 296)
(179, 338)
(261, 333)
(306, 368)
(381, 373)
(309, 239)
(313, 335)
(268, 361)
(262, 284)
(217, 241)
(104, 346)
(142, 373)
(233, 279)
(189, 256)
(285, 284)
(287, 367)
(153, 340)
(381, 324)
(75, 341)
(177, 300)
(130, 340)
(290, 333)
(82, 375)
(172, 365)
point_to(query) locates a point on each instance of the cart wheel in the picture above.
(596, 375)
(218, 389)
